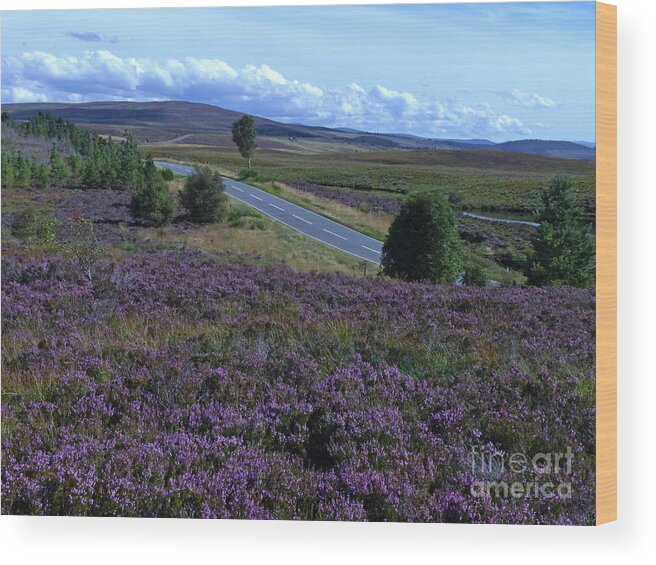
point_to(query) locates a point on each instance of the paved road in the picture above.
(174, 140)
(502, 220)
(298, 218)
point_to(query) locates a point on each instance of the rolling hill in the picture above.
(204, 124)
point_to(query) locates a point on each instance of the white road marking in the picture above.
(333, 233)
(279, 208)
(302, 219)
(256, 197)
(229, 184)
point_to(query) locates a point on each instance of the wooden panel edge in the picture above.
(606, 323)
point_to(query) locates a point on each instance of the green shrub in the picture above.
(34, 225)
(458, 201)
(423, 242)
(82, 244)
(475, 276)
(151, 200)
(167, 174)
(258, 224)
(204, 197)
(236, 221)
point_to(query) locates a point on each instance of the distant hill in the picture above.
(205, 124)
(470, 141)
(565, 149)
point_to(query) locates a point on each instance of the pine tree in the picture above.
(58, 171)
(90, 172)
(40, 175)
(75, 164)
(129, 164)
(204, 197)
(8, 170)
(108, 164)
(564, 250)
(423, 242)
(151, 200)
(23, 172)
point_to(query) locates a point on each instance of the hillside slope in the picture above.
(194, 123)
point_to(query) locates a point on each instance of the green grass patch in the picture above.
(490, 180)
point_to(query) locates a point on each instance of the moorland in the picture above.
(241, 370)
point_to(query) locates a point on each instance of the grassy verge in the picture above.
(372, 224)
(248, 232)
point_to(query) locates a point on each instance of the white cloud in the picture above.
(531, 100)
(20, 94)
(260, 90)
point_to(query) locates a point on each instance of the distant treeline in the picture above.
(94, 162)
(374, 141)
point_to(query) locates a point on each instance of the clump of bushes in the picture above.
(167, 174)
(17, 171)
(204, 197)
(151, 200)
(474, 276)
(34, 225)
(242, 216)
(83, 245)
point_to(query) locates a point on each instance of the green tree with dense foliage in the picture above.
(151, 200)
(8, 170)
(40, 175)
(74, 162)
(58, 170)
(130, 163)
(563, 247)
(23, 172)
(96, 162)
(204, 197)
(243, 134)
(423, 242)
(90, 172)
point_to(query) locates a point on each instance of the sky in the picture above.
(494, 71)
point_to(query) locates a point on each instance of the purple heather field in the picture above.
(147, 371)
(179, 384)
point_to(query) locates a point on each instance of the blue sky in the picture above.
(498, 71)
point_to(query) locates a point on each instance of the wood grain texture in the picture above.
(606, 348)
